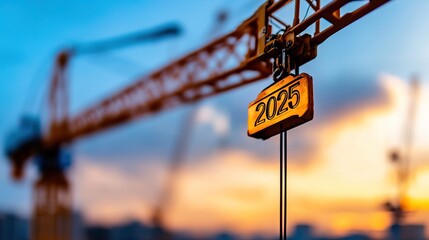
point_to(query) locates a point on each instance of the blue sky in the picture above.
(392, 40)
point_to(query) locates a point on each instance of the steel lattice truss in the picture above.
(229, 62)
(216, 68)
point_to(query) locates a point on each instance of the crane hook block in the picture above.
(283, 105)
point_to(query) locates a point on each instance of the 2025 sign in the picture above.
(281, 106)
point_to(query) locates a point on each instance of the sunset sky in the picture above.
(339, 174)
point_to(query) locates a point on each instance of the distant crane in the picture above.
(402, 160)
(249, 53)
(51, 196)
(178, 157)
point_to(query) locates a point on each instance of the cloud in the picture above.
(221, 122)
(345, 178)
(207, 114)
(109, 194)
(211, 195)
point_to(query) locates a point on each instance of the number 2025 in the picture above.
(270, 108)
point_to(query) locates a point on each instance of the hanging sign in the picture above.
(281, 106)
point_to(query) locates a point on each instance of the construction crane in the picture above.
(181, 144)
(253, 51)
(52, 196)
(402, 161)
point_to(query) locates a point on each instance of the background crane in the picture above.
(243, 56)
(52, 195)
(402, 160)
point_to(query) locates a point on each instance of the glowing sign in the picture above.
(281, 106)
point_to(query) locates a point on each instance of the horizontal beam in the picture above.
(226, 63)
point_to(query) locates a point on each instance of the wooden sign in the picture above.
(281, 106)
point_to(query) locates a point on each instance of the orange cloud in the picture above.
(341, 191)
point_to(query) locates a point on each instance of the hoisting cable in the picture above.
(35, 88)
(283, 184)
(283, 179)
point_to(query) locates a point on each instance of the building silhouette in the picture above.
(13, 227)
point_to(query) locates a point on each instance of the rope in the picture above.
(283, 184)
